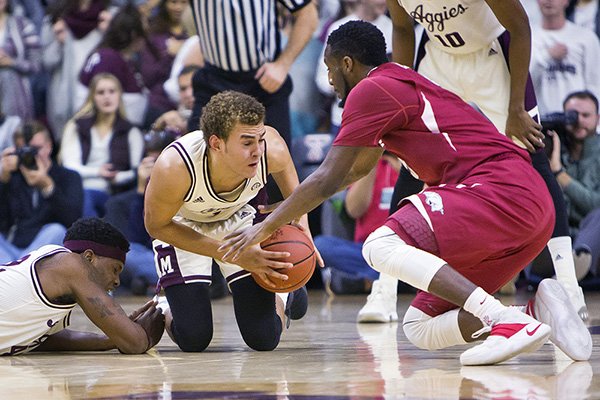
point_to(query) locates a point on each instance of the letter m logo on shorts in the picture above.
(165, 265)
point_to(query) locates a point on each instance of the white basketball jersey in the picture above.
(27, 316)
(202, 203)
(457, 27)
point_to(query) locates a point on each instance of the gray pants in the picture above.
(588, 238)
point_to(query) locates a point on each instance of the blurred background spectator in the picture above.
(39, 199)
(117, 54)
(70, 32)
(564, 57)
(20, 59)
(166, 34)
(102, 145)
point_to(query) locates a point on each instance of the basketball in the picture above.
(291, 239)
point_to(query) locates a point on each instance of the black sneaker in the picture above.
(297, 304)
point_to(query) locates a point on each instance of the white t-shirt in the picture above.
(554, 79)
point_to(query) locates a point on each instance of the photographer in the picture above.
(38, 198)
(576, 164)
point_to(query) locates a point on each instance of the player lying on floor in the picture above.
(39, 292)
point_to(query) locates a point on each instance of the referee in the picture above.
(242, 46)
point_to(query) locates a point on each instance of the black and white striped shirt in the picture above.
(240, 35)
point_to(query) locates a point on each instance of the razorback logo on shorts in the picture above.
(434, 201)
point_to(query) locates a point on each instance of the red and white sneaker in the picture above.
(553, 307)
(513, 333)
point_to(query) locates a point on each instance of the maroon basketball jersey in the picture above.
(435, 133)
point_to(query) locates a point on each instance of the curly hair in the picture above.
(227, 108)
(360, 40)
(98, 231)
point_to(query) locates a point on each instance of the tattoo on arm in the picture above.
(100, 307)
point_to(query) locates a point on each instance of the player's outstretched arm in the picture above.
(342, 166)
(130, 337)
(281, 167)
(70, 340)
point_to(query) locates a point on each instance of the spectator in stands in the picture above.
(167, 34)
(8, 126)
(33, 10)
(585, 13)
(564, 58)
(39, 199)
(372, 11)
(176, 121)
(188, 55)
(116, 54)
(102, 145)
(576, 165)
(20, 58)
(368, 203)
(70, 32)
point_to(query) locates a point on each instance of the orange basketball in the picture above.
(291, 239)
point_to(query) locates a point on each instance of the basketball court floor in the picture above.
(326, 355)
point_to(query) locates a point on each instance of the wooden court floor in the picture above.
(326, 355)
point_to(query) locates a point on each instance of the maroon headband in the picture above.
(79, 246)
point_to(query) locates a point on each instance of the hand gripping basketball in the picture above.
(291, 239)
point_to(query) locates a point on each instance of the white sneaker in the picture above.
(513, 333)
(380, 306)
(553, 307)
(578, 301)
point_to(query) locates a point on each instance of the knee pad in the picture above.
(432, 333)
(387, 253)
(377, 246)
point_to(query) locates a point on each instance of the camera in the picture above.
(558, 123)
(156, 141)
(26, 155)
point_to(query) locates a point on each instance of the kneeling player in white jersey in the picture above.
(39, 291)
(199, 191)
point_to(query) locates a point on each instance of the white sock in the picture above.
(484, 306)
(284, 297)
(388, 282)
(561, 250)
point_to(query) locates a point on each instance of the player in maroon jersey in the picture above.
(482, 218)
